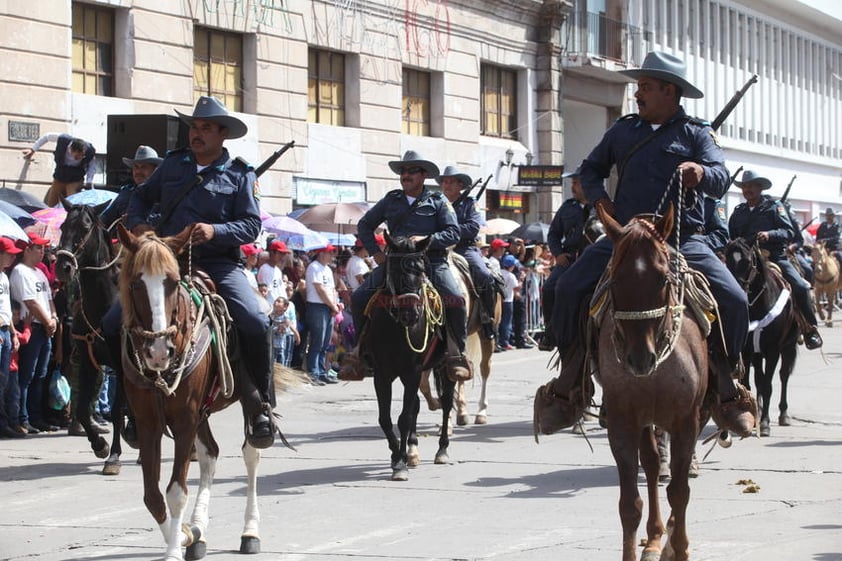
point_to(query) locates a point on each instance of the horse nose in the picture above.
(641, 363)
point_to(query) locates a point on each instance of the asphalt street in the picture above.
(502, 496)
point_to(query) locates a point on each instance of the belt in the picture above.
(691, 230)
(4, 327)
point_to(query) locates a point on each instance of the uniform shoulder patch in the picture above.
(779, 207)
(395, 193)
(627, 117)
(720, 211)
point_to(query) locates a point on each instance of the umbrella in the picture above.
(534, 231)
(296, 235)
(10, 229)
(49, 223)
(304, 242)
(339, 239)
(22, 199)
(334, 217)
(17, 214)
(92, 197)
(499, 227)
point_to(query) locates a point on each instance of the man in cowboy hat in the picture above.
(201, 185)
(145, 162)
(453, 182)
(650, 149)
(566, 241)
(417, 212)
(764, 219)
(828, 232)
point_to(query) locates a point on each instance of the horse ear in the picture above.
(664, 224)
(612, 227)
(64, 203)
(178, 241)
(422, 245)
(100, 207)
(126, 238)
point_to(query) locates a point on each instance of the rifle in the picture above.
(732, 103)
(270, 161)
(484, 185)
(804, 227)
(788, 187)
(467, 191)
(734, 177)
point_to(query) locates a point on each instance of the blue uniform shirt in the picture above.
(566, 231)
(469, 222)
(768, 216)
(650, 169)
(829, 234)
(432, 216)
(225, 197)
(716, 226)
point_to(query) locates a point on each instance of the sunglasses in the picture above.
(412, 170)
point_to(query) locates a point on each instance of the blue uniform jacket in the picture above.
(716, 227)
(646, 175)
(469, 222)
(567, 228)
(768, 216)
(433, 216)
(225, 198)
(118, 205)
(829, 234)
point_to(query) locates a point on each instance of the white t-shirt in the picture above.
(273, 278)
(356, 266)
(319, 274)
(509, 288)
(5, 300)
(29, 283)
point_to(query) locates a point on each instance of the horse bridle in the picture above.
(420, 298)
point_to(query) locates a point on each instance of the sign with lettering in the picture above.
(539, 176)
(22, 131)
(317, 191)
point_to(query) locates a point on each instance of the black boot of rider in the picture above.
(260, 432)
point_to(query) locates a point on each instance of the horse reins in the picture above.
(426, 294)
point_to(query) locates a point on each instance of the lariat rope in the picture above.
(433, 313)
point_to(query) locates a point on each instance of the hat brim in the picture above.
(464, 178)
(688, 89)
(431, 168)
(236, 128)
(129, 162)
(762, 181)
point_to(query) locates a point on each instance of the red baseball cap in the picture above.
(379, 239)
(8, 246)
(249, 249)
(329, 247)
(497, 243)
(279, 245)
(34, 239)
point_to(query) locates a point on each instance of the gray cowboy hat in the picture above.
(211, 109)
(453, 171)
(144, 155)
(412, 158)
(829, 211)
(666, 67)
(575, 173)
(750, 176)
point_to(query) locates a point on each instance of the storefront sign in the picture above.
(539, 176)
(22, 131)
(318, 191)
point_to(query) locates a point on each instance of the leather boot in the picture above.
(459, 368)
(737, 408)
(260, 431)
(560, 402)
(812, 339)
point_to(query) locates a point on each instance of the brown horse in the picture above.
(173, 381)
(478, 349)
(826, 281)
(653, 368)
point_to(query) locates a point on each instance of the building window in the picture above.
(326, 88)
(93, 50)
(498, 102)
(218, 66)
(415, 114)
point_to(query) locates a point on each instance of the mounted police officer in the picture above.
(649, 148)
(716, 225)
(144, 163)
(453, 182)
(566, 240)
(417, 212)
(203, 186)
(766, 220)
(828, 234)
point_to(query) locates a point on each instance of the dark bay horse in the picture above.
(174, 381)
(773, 329)
(653, 368)
(84, 255)
(402, 339)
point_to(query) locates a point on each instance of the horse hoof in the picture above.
(104, 449)
(434, 405)
(442, 458)
(764, 428)
(480, 420)
(196, 550)
(400, 474)
(462, 419)
(111, 467)
(650, 556)
(249, 545)
(784, 420)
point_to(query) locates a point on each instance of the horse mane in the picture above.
(153, 256)
(637, 230)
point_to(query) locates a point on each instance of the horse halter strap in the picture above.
(428, 297)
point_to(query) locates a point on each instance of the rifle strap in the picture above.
(167, 212)
(395, 225)
(621, 168)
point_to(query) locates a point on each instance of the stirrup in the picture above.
(459, 368)
(260, 430)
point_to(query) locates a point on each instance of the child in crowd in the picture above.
(512, 286)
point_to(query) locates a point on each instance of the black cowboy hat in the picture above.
(575, 173)
(211, 109)
(412, 158)
(666, 67)
(453, 171)
(144, 155)
(750, 176)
